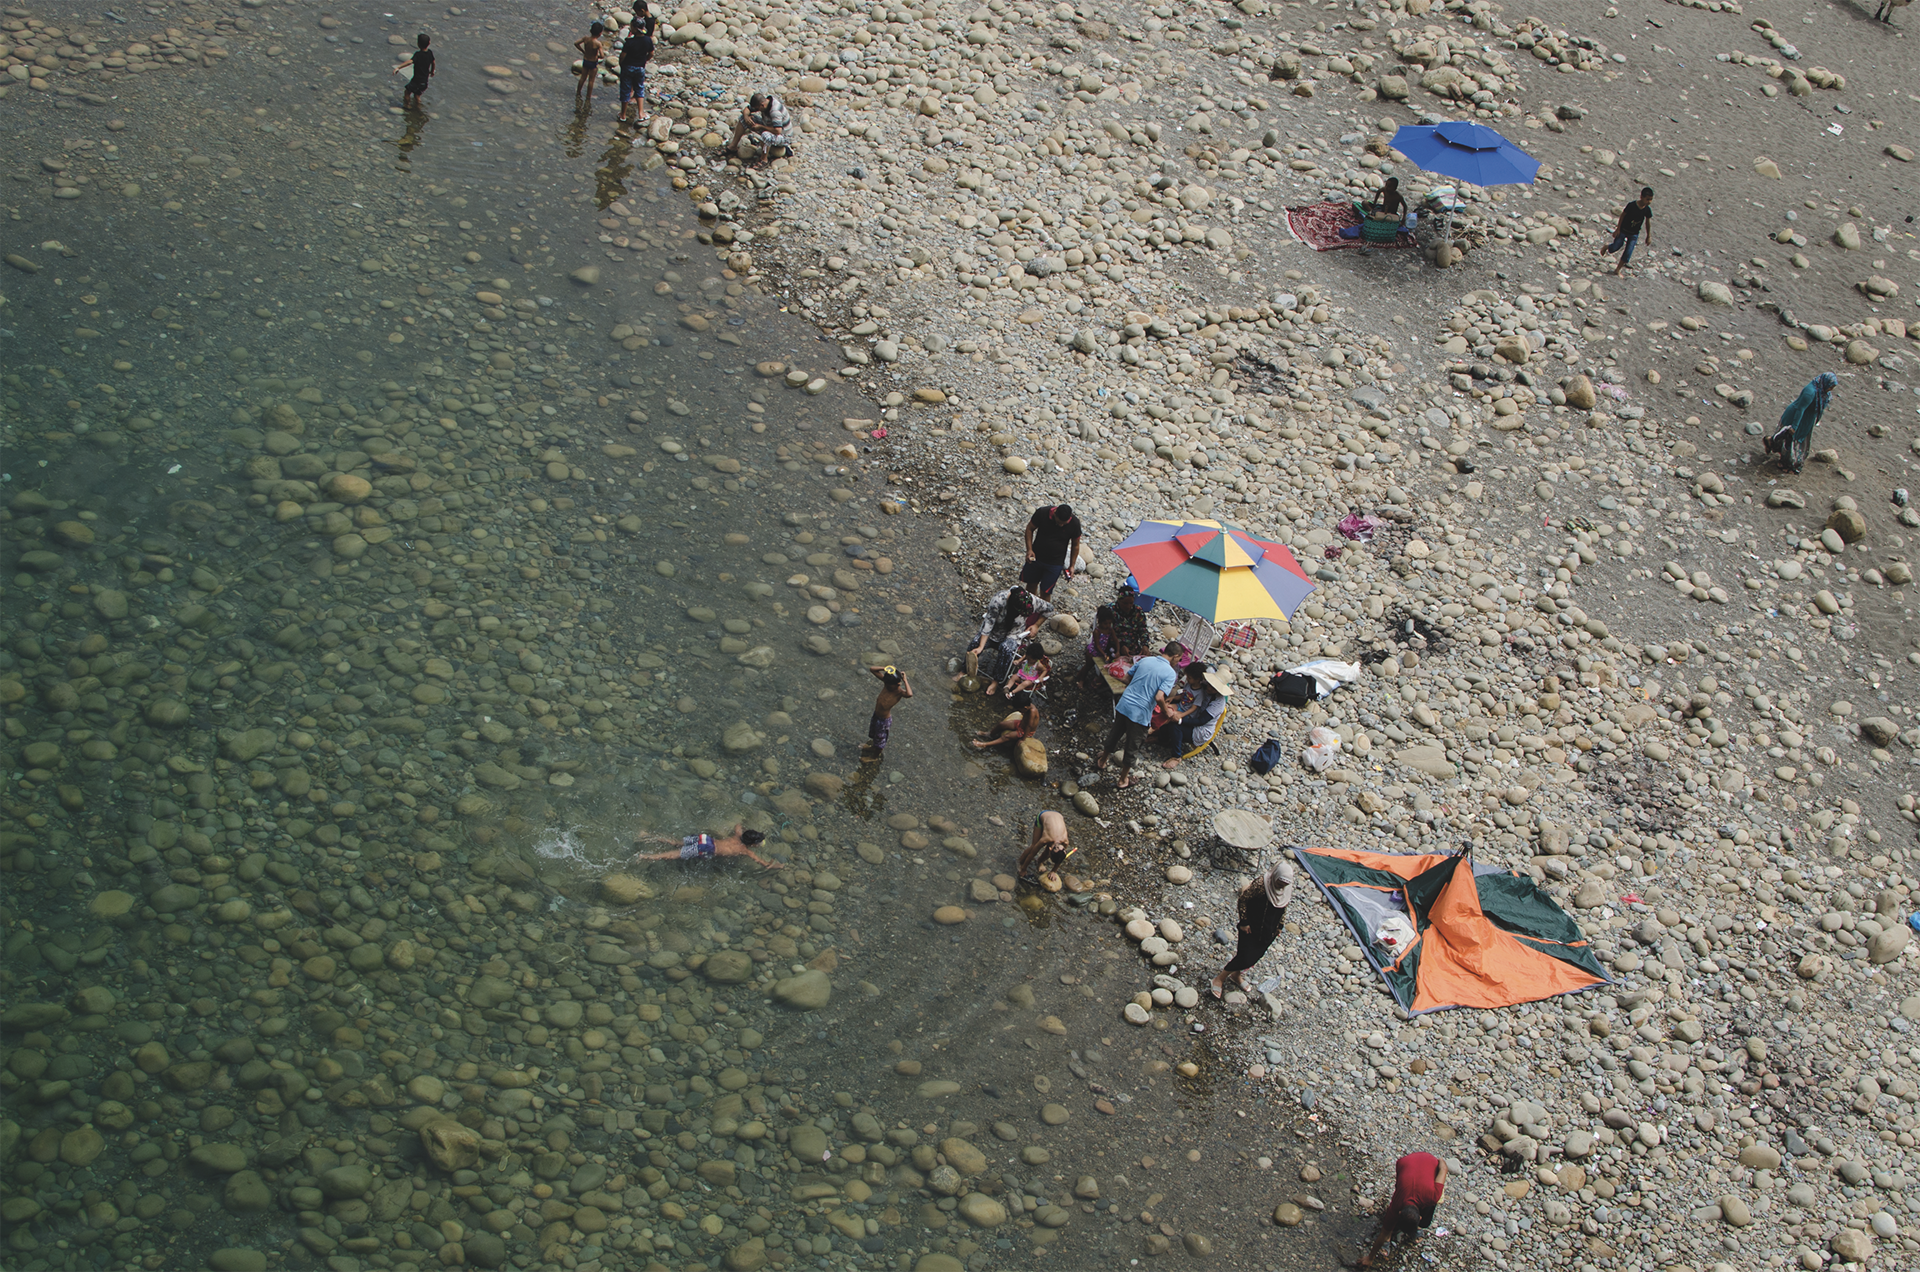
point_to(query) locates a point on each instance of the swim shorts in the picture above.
(878, 729)
(696, 846)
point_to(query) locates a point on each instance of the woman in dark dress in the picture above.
(1263, 908)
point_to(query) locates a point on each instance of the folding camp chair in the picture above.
(1212, 736)
(1198, 637)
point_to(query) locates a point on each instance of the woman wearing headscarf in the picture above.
(1263, 908)
(1791, 439)
(1011, 616)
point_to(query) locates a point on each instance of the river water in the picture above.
(405, 510)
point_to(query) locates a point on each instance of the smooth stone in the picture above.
(728, 967)
(982, 1211)
(111, 905)
(808, 991)
(80, 1147)
(450, 1145)
(346, 1182)
(224, 1158)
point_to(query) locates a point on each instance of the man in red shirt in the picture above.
(1420, 1181)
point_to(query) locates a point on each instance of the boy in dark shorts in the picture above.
(590, 50)
(636, 50)
(702, 846)
(893, 687)
(422, 64)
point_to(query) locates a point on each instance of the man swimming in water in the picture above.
(694, 847)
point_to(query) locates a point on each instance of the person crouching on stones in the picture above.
(1419, 1186)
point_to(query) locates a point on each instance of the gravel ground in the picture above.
(1668, 679)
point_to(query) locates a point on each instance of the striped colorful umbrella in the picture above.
(1217, 571)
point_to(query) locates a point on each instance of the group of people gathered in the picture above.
(765, 126)
(1167, 692)
(1170, 693)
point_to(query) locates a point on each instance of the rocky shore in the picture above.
(327, 740)
(1070, 228)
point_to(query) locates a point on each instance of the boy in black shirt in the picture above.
(422, 64)
(636, 50)
(1627, 232)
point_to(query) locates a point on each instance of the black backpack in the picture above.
(1295, 690)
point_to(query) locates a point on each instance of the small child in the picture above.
(1047, 852)
(422, 64)
(590, 50)
(893, 687)
(1030, 671)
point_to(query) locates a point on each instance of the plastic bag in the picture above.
(1359, 528)
(1322, 745)
(1395, 932)
(1328, 673)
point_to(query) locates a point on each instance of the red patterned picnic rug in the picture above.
(1318, 225)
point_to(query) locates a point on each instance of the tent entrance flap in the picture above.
(1440, 936)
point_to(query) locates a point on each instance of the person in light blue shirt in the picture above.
(1147, 686)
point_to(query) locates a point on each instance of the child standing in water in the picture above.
(590, 50)
(893, 687)
(422, 64)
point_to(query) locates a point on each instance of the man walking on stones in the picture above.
(1053, 543)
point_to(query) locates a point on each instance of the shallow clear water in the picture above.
(370, 582)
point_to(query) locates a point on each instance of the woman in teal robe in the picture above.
(1791, 440)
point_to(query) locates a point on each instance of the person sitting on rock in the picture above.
(739, 843)
(1022, 723)
(765, 124)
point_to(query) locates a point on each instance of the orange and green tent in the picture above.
(1443, 932)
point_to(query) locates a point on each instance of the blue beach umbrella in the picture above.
(1467, 152)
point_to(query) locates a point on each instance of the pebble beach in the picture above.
(406, 509)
